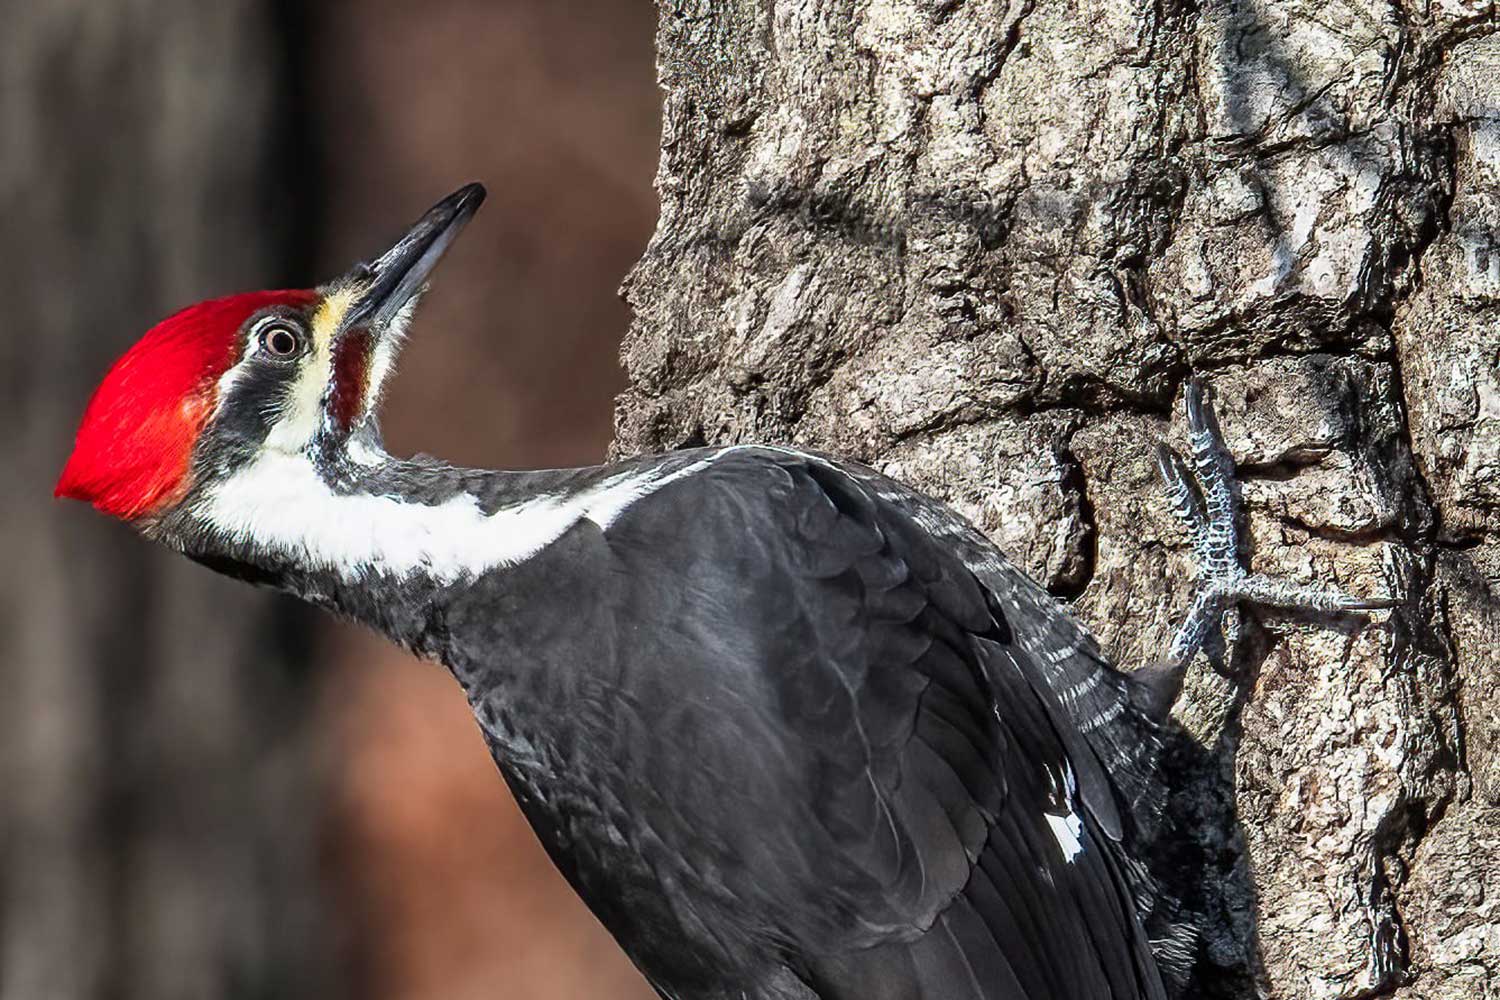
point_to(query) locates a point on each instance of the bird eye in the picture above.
(280, 341)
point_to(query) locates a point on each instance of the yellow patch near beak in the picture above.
(304, 412)
(331, 312)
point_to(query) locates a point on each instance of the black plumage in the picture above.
(833, 751)
(791, 729)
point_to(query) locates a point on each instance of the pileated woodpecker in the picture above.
(792, 729)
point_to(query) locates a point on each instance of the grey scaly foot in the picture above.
(1204, 498)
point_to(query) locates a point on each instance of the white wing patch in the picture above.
(1067, 829)
(1069, 833)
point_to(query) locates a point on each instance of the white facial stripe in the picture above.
(230, 377)
(303, 415)
(279, 500)
(384, 356)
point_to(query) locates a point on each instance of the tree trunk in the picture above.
(981, 246)
(155, 838)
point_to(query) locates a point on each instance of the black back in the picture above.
(786, 744)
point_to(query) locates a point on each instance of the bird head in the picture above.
(221, 384)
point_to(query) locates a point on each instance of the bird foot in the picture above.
(1205, 499)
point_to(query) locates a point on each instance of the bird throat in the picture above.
(351, 377)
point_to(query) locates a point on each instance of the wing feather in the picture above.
(917, 766)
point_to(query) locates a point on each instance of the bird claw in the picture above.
(1204, 496)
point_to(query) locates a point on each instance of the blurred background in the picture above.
(208, 792)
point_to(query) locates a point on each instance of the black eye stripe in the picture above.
(256, 395)
(253, 404)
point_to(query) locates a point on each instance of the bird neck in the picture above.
(372, 537)
(388, 541)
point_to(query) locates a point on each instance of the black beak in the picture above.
(401, 272)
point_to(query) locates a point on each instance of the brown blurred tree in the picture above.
(980, 246)
(155, 830)
(513, 363)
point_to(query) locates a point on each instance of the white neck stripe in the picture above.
(281, 502)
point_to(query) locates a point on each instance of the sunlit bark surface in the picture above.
(980, 246)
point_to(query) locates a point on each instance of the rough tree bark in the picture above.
(155, 840)
(980, 245)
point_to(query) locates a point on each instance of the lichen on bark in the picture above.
(981, 246)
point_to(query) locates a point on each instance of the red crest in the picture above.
(136, 440)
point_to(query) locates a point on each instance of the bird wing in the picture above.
(1067, 659)
(875, 785)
